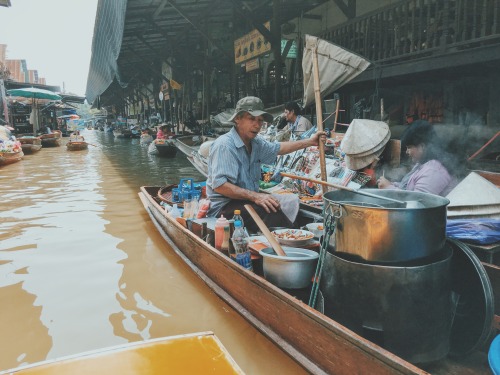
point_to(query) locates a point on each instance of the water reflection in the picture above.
(83, 267)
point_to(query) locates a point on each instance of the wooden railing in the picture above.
(415, 28)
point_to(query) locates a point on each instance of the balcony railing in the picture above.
(416, 28)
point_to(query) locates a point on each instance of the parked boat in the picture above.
(76, 145)
(51, 140)
(122, 133)
(181, 354)
(320, 344)
(30, 144)
(10, 157)
(190, 143)
(165, 147)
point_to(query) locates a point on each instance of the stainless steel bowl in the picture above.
(294, 271)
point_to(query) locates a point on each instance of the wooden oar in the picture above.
(265, 231)
(341, 187)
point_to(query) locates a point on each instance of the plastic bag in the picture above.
(477, 231)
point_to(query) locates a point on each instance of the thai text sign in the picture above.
(251, 45)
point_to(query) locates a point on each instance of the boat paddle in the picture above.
(265, 231)
(402, 204)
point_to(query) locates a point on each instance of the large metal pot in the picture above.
(407, 310)
(295, 271)
(374, 230)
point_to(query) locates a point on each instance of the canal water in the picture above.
(82, 266)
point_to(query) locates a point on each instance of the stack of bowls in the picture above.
(364, 142)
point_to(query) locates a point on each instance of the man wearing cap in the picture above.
(234, 166)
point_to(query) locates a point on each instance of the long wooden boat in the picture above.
(77, 145)
(199, 162)
(318, 343)
(30, 144)
(194, 353)
(10, 157)
(187, 144)
(165, 148)
(51, 140)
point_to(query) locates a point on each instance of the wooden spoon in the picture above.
(265, 231)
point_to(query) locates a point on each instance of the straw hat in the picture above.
(364, 136)
(381, 145)
(356, 162)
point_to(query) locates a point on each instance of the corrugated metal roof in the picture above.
(133, 37)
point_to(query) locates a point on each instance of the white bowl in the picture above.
(293, 237)
(316, 228)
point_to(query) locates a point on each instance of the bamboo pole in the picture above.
(336, 116)
(319, 115)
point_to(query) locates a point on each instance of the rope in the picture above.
(330, 225)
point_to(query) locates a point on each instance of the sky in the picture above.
(53, 36)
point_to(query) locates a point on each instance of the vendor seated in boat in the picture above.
(164, 132)
(434, 169)
(234, 165)
(76, 137)
(296, 123)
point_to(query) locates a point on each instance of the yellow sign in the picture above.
(252, 65)
(251, 45)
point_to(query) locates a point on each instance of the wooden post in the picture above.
(319, 115)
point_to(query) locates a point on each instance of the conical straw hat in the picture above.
(363, 136)
(376, 148)
(356, 163)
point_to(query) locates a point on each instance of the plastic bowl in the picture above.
(295, 271)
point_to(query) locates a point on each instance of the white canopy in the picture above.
(337, 66)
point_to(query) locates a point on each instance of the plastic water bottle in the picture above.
(242, 254)
(174, 212)
(236, 217)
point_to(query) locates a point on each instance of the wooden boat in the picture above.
(30, 145)
(318, 343)
(165, 147)
(77, 145)
(190, 143)
(199, 162)
(182, 354)
(51, 140)
(10, 157)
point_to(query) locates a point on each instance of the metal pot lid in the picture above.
(473, 295)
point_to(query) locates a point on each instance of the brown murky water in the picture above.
(82, 266)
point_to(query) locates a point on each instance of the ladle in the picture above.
(402, 204)
(265, 231)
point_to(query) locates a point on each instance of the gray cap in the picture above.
(252, 105)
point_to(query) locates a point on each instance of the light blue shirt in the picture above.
(229, 161)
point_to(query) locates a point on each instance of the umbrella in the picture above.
(35, 94)
(70, 117)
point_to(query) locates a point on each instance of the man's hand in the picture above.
(319, 137)
(267, 201)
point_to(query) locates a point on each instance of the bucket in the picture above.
(405, 309)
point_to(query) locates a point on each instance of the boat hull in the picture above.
(315, 341)
(7, 158)
(173, 355)
(166, 149)
(30, 145)
(76, 146)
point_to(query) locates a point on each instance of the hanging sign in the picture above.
(252, 65)
(251, 45)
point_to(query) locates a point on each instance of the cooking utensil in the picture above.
(265, 231)
(295, 271)
(402, 204)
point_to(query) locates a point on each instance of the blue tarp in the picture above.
(477, 231)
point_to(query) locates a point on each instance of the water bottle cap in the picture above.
(237, 212)
(237, 223)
